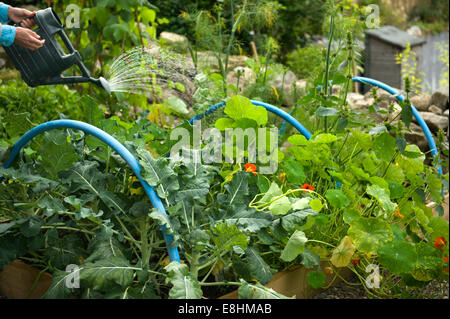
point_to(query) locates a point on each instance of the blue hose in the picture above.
(416, 114)
(287, 117)
(116, 146)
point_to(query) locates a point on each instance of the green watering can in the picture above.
(45, 65)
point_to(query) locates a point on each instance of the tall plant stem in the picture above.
(231, 40)
(327, 67)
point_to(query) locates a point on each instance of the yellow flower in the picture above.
(135, 190)
(283, 177)
(397, 213)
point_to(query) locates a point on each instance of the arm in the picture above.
(19, 35)
(4, 13)
(7, 33)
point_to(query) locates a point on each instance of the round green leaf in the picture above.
(337, 198)
(316, 204)
(316, 279)
(398, 257)
(369, 233)
(429, 263)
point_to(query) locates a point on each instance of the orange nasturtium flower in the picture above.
(398, 214)
(308, 187)
(445, 259)
(440, 242)
(250, 168)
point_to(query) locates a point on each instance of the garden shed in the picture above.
(382, 45)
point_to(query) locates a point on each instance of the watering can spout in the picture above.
(103, 83)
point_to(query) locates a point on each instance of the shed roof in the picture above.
(395, 36)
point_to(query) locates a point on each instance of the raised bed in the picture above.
(20, 281)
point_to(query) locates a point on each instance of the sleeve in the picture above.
(4, 13)
(7, 35)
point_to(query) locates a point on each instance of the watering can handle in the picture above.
(19, 24)
(72, 52)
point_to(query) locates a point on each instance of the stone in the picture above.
(179, 42)
(246, 77)
(421, 102)
(357, 101)
(440, 98)
(416, 136)
(445, 113)
(435, 122)
(415, 31)
(2, 63)
(434, 109)
(285, 85)
(207, 59)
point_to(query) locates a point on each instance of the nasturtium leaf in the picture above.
(280, 206)
(337, 198)
(223, 123)
(297, 139)
(399, 233)
(350, 214)
(439, 228)
(294, 172)
(184, 284)
(245, 123)
(343, 253)
(398, 257)
(324, 138)
(396, 190)
(294, 247)
(258, 291)
(368, 233)
(316, 279)
(316, 205)
(301, 203)
(429, 263)
(384, 146)
(383, 198)
(239, 107)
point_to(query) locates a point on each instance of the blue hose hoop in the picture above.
(416, 114)
(273, 109)
(116, 146)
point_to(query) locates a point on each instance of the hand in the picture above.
(17, 15)
(28, 39)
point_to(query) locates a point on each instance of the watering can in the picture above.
(45, 65)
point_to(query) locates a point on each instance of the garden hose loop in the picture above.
(116, 146)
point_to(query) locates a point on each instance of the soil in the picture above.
(434, 290)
